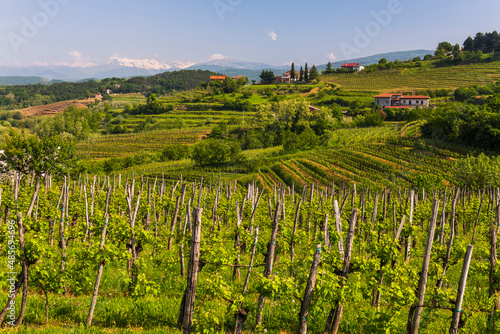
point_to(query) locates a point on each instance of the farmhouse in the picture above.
(353, 67)
(397, 100)
(287, 77)
(217, 78)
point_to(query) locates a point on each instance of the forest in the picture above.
(18, 97)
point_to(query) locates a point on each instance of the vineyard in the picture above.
(419, 78)
(387, 156)
(121, 145)
(211, 256)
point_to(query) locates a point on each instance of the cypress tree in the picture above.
(292, 72)
(301, 74)
(306, 74)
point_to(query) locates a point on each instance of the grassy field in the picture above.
(418, 78)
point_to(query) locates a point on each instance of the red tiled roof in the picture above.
(415, 97)
(400, 107)
(218, 77)
(350, 65)
(404, 96)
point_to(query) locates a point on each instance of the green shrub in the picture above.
(175, 152)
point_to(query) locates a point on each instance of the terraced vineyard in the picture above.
(197, 118)
(419, 78)
(375, 165)
(377, 157)
(122, 145)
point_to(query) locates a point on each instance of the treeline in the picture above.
(475, 94)
(484, 42)
(18, 97)
(466, 124)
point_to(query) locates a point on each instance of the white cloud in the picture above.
(273, 36)
(76, 54)
(331, 56)
(217, 56)
(80, 60)
(288, 63)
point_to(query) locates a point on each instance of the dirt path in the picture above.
(54, 108)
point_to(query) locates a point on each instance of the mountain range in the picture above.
(125, 68)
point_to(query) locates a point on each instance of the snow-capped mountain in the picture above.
(147, 64)
(113, 67)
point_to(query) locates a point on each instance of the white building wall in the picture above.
(383, 101)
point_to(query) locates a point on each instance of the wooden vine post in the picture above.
(25, 268)
(187, 305)
(457, 312)
(308, 294)
(242, 314)
(493, 281)
(416, 310)
(337, 311)
(271, 247)
(101, 263)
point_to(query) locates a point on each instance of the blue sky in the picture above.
(269, 31)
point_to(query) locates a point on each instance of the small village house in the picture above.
(287, 77)
(397, 100)
(353, 67)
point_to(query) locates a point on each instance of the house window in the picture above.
(409, 102)
(421, 102)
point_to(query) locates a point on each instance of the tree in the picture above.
(329, 68)
(463, 93)
(29, 154)
(176, 151)
(382, 61)
(478, 172)
(443, 47)
(267, 77)
(301, 74)
(229, 85)
(494, 103)
(307, 140)
(292, 72)
(469, 44)
(306, 74)
(78, 123)
(314, 75)
(214, 152)
(242, 81)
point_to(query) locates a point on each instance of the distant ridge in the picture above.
(16, 80)
(390, 56)
(126, 68)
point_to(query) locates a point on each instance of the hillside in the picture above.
(17, 80)
(390, 56)
(450, 77)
